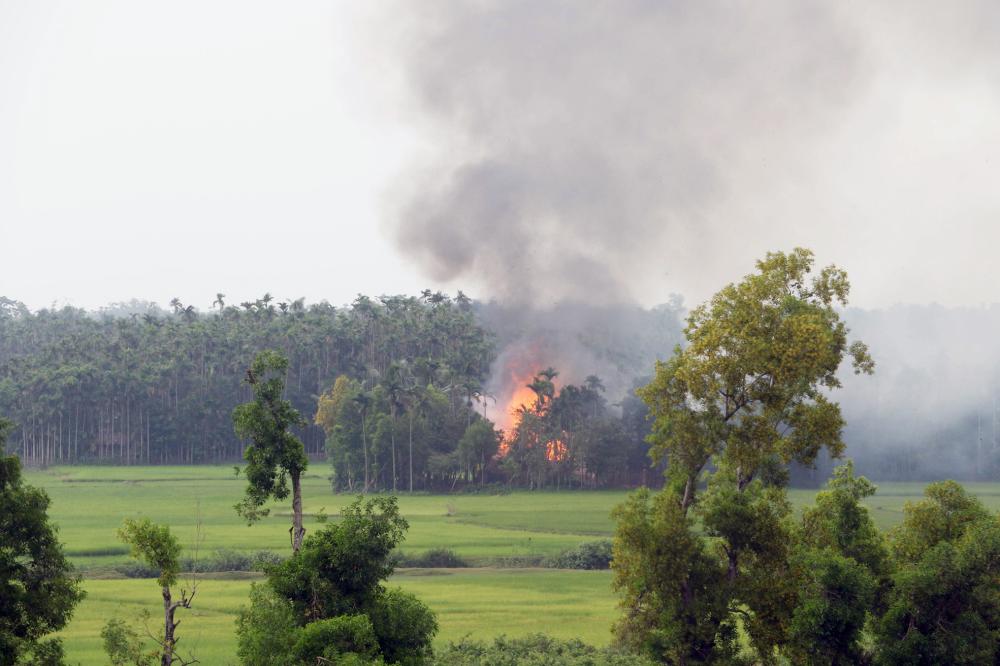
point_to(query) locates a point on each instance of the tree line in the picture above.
(393, 390)
(137, 384)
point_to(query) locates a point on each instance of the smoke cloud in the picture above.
(613, 152)
(606, 151)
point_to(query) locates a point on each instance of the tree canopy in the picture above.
(328, 601)
(743, 399)
(38, 587)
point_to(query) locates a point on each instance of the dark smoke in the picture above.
(585, 145)
(614, 152)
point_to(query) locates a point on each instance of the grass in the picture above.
(480, 602)
(89, 503)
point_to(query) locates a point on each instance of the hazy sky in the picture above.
(614, 150)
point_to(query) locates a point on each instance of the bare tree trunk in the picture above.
(393, 437)
(167, 657)
(364, 445)
(298, 531)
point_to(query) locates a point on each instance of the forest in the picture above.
(135, 383)
(394, 391)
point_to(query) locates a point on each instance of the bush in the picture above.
(137, 570)
(437, 558)
(262, 560)
(536, 650)
(404, 626)
(588, 555)
(336, 637)
(222, 560)
(266, 630)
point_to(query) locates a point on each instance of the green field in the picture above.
(89, 503)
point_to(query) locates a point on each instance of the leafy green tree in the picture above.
(332, 591)
(673, 609)
(841, 570)
(480, 443)
(158, 548)
(340, 568)
(38, 587)
(275, 455)
(945, 603)
(742, 400)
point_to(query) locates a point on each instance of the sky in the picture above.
(528, 151)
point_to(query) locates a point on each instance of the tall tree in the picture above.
(747, 394)
(38, 587)
(275, 455)
(364, 400)
(157, 547)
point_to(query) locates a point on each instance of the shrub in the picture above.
(588, 555)
(536, 650)
(336, 637)
(137, 570)
(404, 626)
(266, 630)
(439, 558)
(262, 560)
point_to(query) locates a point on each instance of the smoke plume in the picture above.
(606, 151)
(580, 141)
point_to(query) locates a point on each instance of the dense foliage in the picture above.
(944, 604)
(38, 588)
(746, 397)
(328, 600)
(535, 650)
(134, 383)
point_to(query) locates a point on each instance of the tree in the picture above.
(743, 399)
(479, 444)
(38, 587)
(157, 547)
(275, 454)
(364, 400)
(395, 392)
(328, 600)
(841, 569)
(945, 604)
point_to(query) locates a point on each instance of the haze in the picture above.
(317, 149)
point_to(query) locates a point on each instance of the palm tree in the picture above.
(394, 390)
(363, 401)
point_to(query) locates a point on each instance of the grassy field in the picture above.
(89, 503)
(480, 602)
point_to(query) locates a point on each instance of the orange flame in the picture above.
(522, 397)
(556, 450)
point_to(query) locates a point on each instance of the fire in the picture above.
(519, 398)
(517, 367)
(556, 450)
